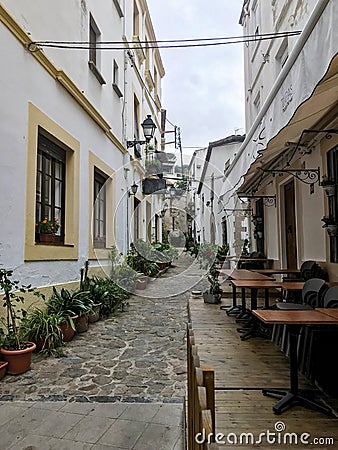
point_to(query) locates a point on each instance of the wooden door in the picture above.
(290, 225)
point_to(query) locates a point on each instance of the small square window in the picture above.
(116, 79)
(94, 55)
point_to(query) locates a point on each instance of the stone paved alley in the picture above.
(136, 356)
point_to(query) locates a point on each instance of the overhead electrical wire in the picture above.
(160, 44)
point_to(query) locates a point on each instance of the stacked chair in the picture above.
(311, 297)
(309, 269)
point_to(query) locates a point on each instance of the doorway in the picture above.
(290, 225)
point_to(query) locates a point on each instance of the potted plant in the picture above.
(222, 251)
(72, 303)
(206, 255)
(61, 303)
(214, 293)
(3, 364)
(44, 330)
(330, 224)
(14, 350)
(87, 285)
(46, 230)
(3, 369)
(153, 167)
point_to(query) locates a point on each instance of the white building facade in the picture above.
(214, 220)
(68, 112)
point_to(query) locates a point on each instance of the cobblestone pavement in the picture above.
(137, 354)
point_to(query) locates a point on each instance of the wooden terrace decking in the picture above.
(242, 369)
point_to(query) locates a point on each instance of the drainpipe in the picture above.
(316, 14)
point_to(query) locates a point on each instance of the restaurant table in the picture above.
(294, 320)
(332, 312)
(251, 329)
(292, 285)
(277, 271)
(240, 274)
(240, 259)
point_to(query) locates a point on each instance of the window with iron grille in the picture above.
(50, 183)
(332, 172)
(100, 205)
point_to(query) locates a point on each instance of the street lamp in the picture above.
(149, 128)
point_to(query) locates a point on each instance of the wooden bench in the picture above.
(201, 396)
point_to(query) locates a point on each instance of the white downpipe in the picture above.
(317, 12)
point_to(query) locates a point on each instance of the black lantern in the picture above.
(133, 188)
(149, 128)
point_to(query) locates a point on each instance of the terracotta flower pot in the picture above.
(3, 369)
(81, 324)
(19, 361)
(95, 315)
(67, 330)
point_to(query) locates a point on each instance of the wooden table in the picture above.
(251, 328)
(243, 274)
(292, 285)
(332, 312)
(294, 320)
(277, 271)
(252, 284)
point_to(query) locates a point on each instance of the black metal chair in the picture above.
(312, 296)
(320, 347)
(309, 269)
(249, 265)
(330, 299)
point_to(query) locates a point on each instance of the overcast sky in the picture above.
(202, 90)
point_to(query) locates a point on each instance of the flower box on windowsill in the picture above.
(48, 239)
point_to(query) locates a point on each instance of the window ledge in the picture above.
(117, 90)
(54, 245)
(96, 72)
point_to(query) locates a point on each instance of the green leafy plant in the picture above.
(207, 254)
(181, 184)
(215, 287)
(46, 226)
(121, 273)
(192, 247)
(42, 328)
(13, 297)
(141, 258)
(68, 304)
(222, 250)
(110, 295)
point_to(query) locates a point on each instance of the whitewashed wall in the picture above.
(24, 80)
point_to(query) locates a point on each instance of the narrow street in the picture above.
(129, 368)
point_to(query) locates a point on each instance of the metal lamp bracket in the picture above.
(307, 176)
(268, 200)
